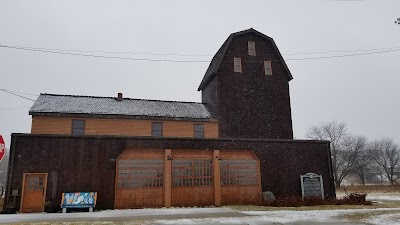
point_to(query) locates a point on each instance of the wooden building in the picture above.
(137, 153)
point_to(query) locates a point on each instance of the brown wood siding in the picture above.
(124, 127)
(75, 162)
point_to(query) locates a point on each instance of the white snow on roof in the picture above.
(50, 103)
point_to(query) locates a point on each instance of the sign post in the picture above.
(2, 148)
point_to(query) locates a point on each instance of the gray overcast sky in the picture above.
(361, 90)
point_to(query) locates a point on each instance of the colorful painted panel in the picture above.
(79, 200)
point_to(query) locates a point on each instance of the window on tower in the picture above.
(267, 68)
(237, 65)
(252, 48)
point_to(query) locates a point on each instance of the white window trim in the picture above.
(237, 65)
(251, 45)
(267, 67)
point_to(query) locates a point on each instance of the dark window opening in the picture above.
(199, 130)
(156, 129)
(78, 127)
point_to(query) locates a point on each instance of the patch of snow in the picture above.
(387, 219)
(383, 197)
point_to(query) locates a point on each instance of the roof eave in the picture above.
(118, 116)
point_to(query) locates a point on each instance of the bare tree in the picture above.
(386, 154)
(336, 133)
(357, 157)
(349, 155)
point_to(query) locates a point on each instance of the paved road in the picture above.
(122, 215)
(192, 216)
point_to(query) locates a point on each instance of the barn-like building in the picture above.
(228, 149)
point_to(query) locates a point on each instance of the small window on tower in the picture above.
(267, 68)
(237, 65)
(252, 48)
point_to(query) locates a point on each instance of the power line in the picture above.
(16, 94)
(115, 52)
(19, 92)
(340, 51)
(102, 56)
(191, 55)
(15, 108)
(186, 61)
(341, 56)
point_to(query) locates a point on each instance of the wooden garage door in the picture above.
(192, 181)
(140, 179)
(240, 178)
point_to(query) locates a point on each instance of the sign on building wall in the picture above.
(312, 185)
(79, 200)
(2, 148)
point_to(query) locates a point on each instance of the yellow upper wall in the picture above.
(123, 127)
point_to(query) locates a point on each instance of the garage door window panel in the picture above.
(239, 172)
(140, 173)
(192, 172)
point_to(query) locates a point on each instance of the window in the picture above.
(139, 173)
(35, 183)
(199, 130)
(191, 172)
(237, 65)
(78, 127)
(238, 172)
(252, 48)
(267, 68)
(156, 129)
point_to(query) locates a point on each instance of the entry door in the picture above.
(34, 191)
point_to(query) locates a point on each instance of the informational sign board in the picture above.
(312, 185)
(79, 200)
(2, 148)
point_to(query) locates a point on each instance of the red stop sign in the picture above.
(2, 148)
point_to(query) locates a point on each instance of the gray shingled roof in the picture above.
(72, 104)
(219, 56)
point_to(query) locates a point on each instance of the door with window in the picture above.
(34, 192)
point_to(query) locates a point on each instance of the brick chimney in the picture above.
(119, 98)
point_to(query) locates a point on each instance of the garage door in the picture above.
(240, 178)
(192, 181)
(186, 177)
(140, 179)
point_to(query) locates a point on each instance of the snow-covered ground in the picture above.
(209, 216)
(383, 197)
(290, 217)
(221, 216)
